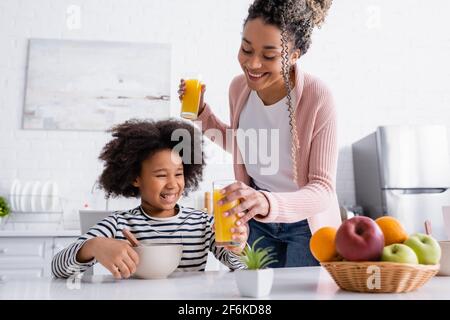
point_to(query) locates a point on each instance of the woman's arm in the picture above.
(314, 198)
(317, 195)
(215, 129)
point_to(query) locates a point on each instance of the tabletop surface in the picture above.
(289, 284)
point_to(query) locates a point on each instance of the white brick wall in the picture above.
(385, 61)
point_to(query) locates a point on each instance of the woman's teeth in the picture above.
(256, 76)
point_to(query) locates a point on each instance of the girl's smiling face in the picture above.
(260, 55)
(161, 183)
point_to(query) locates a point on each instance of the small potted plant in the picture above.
(256, 279)
(4, 208)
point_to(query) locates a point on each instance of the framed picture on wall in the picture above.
(92, 85)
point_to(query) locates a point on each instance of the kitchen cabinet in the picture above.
(15, 273)
(25, 257)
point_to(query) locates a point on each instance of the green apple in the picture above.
(426, 248)
(398, 252)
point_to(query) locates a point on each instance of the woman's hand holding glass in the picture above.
(182, 90)
(252, 202)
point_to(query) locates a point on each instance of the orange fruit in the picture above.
(322, 244)
(392, 229)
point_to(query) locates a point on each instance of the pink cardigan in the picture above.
(316, 199)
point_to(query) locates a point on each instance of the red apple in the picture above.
(360, 239)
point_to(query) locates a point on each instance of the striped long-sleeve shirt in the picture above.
(191, 228)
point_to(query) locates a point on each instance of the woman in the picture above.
(273, 93)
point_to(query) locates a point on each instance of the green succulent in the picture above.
(4, 208)
(255, 259)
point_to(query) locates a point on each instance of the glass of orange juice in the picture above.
(191, 98)
(223, 224)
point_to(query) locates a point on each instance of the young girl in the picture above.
(274, 94)
(141, 162)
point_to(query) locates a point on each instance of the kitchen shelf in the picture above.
(27, 213)
(33, 217)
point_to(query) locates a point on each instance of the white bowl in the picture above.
(157, 261)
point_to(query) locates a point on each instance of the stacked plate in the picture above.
(34, 196)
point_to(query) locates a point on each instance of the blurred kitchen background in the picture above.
(386, 63)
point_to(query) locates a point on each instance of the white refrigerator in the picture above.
(404, 171)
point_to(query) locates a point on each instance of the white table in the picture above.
(289, 283)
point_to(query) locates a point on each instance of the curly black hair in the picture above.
(298, 17)
(136, 140)
(296, 20)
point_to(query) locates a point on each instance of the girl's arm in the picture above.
(78, 257)
(228, 258)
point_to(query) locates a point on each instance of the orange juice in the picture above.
(223, 224)
(191, 99)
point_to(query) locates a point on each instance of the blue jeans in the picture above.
(290, 242)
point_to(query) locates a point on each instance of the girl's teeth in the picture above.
(168, 196)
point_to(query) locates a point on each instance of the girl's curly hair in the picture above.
(296, 20)
(136, 140)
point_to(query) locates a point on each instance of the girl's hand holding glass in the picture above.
(240, 235)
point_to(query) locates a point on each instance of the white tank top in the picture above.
(264, 140)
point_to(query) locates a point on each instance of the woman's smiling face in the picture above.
(161, 182)
(260, 55)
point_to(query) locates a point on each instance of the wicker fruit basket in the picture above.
(379, 277)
